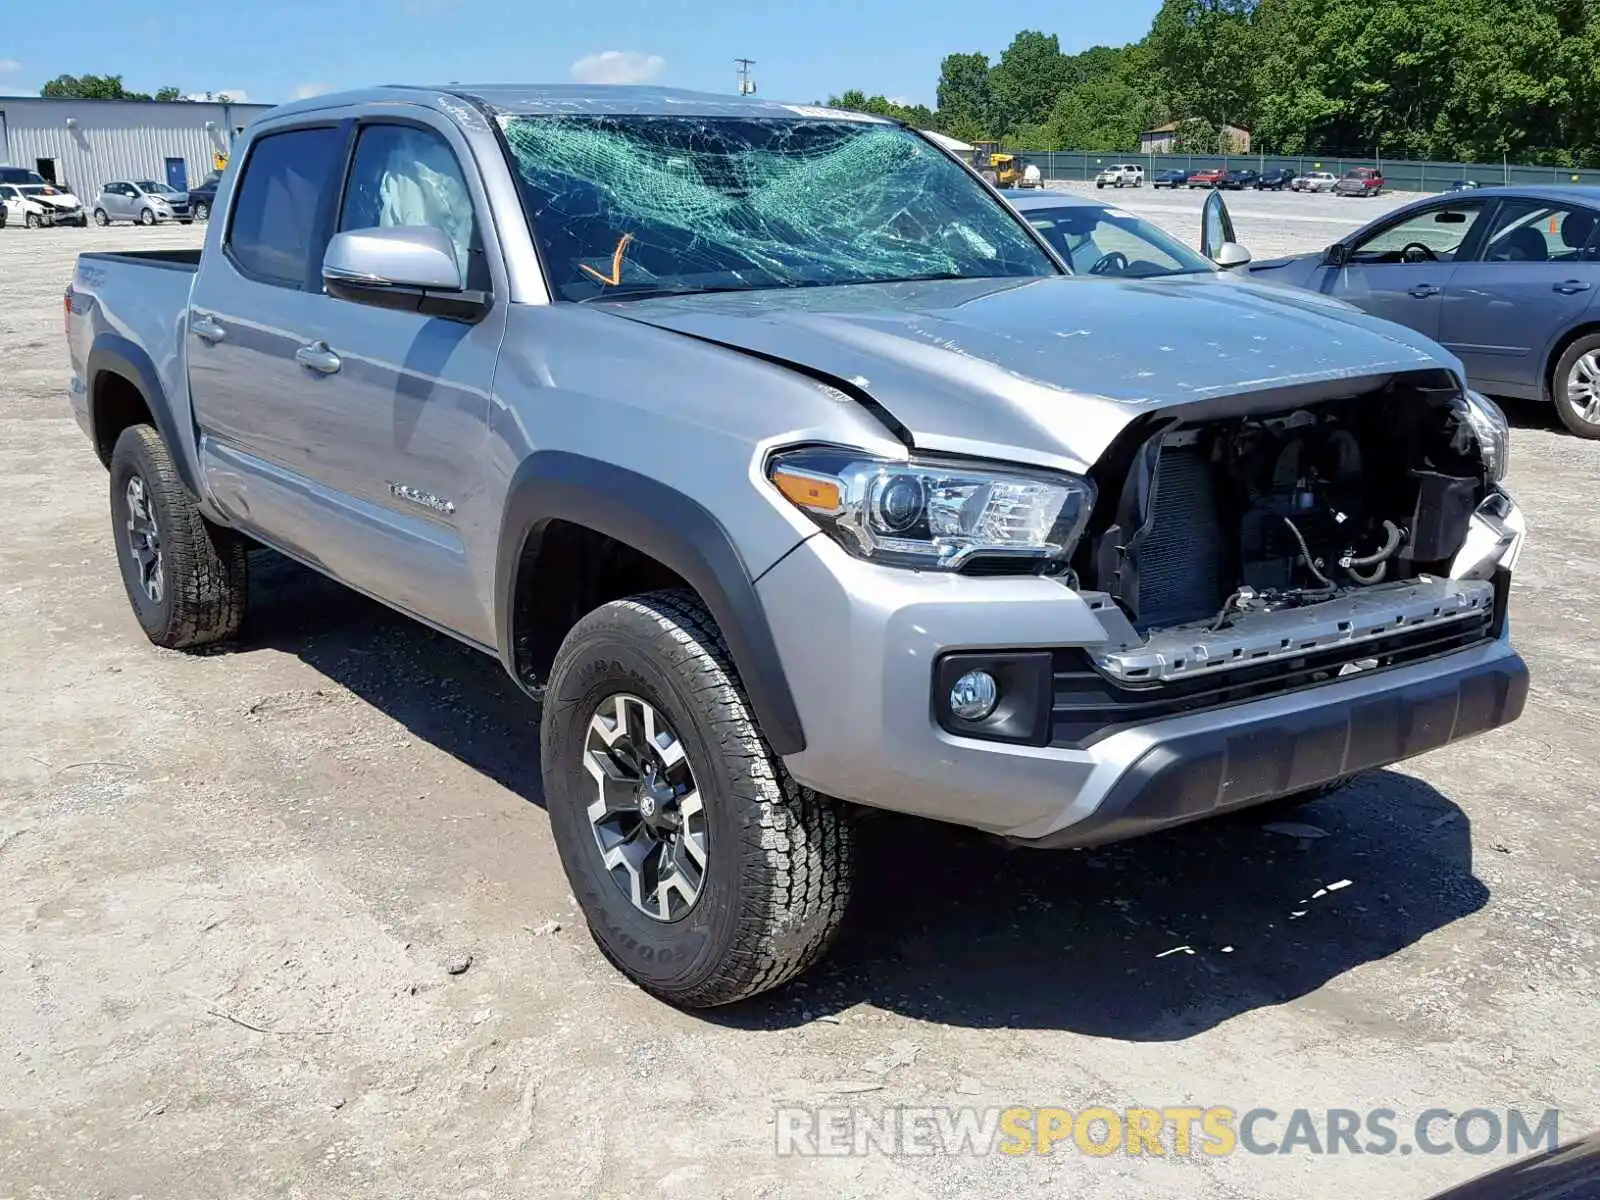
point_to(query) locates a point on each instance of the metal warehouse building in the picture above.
(83, 144)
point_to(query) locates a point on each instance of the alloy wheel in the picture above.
(1583, 386)
(144, 540)
(647, 816)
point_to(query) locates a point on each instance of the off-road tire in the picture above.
(779, 856)
(204, 567)
(1566, 409)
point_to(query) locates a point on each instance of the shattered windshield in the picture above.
(645, 205)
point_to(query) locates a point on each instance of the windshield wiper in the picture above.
(648, 291)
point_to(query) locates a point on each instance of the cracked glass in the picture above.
(627, 206)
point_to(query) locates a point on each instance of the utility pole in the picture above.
(747, 85)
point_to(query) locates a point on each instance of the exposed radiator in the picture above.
(1179, 559)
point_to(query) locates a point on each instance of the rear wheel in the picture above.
(185, 577)
(100, 217)
(1577, 387)
(705, 872)
(202, 211)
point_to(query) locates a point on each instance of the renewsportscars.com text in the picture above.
(1179, 1131)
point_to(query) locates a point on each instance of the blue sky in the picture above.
(274, 52)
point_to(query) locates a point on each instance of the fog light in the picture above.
(974, 696)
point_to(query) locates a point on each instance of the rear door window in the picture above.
(1536, 231)
(274, 235)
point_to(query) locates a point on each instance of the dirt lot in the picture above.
(235, 882)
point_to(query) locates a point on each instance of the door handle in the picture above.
(1568, 287)
(1424, 290)
(317, 357)
(204, 326)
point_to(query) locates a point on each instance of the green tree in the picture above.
(963, 96)
(98, 87)
(1205, 55)
(1024, 84)
(856, 100)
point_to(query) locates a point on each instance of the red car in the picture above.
(1360, 181)
(1210, 177)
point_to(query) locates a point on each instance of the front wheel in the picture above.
(185, 577)
(706, 874)
(147, 216)
(202, 212)
(1577, 387)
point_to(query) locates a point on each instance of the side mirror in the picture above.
(408, 267)
(1230, 255)
(1336, 255)
(1216, 227)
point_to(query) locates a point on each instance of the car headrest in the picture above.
(1522, 245)
(1577, 228)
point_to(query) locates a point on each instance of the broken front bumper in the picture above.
(1081, 758)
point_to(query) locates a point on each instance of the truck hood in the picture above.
(1049, 371)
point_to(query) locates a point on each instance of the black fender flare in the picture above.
(675, 530)
(116, 355)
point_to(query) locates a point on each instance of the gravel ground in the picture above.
(237, 883)
(1270, 224)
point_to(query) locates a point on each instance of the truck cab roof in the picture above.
(574, 99)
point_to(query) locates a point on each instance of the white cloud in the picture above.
(618, 66)
(237, 95)
(307, 90)
(9, 66)
(903, 101)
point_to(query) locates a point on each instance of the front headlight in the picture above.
(931, 514)
(1493, 431)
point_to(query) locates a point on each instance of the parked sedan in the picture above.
(142, 201)
(1275, 180)
(1095, 238)
(1238, 180)
(1315, 181)
(1506, 278)
(203, 196)
(1208, 177)
(1169, 179)
(1360, 181)
(38, 204)
(1463, 185)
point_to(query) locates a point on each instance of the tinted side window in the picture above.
(403, 175)
(273, 232)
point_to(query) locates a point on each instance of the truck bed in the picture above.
(168, 260)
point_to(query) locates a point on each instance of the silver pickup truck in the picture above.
(793, 473)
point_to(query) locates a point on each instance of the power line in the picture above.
(747, 85)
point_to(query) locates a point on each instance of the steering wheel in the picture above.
(1416, 252)
(1115, 263)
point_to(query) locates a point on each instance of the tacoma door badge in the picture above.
(411, 495)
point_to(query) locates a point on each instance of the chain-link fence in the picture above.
(1402, 175)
